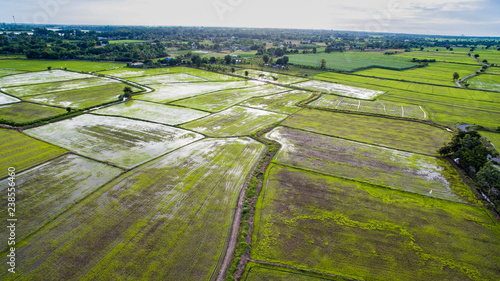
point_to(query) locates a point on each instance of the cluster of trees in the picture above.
(471, 155)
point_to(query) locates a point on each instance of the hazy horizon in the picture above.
(426, 17)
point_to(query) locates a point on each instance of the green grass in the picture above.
(6, 99)
(4, 72)
(494, 138)
(221, 100)
(493, 70)
(435, 73)
(166, 78)
(491, 55)
(281, 103)
(82, 98)
(352, 61)
(398, 134)
(49, 189)
(235, 121)
(159, 113)
(458, 55)
(268, 76)
(22, 152)
(124, 142)
(376, 107)
(360, 231)
(45, 88)
(30, 78)
(167, 220)
(24, 112)
(35, 65)
(485, 82)
(426, 175)
(173, 92)
(258, 272)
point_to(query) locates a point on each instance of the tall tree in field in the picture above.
(127, 92)
(322, 64)
(265, 58)
(456, 76)
(227, 59)
(284, 60)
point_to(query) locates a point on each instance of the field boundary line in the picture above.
(425, 114)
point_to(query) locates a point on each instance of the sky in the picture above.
(434, 17)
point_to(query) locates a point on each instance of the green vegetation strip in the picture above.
(398, 134)
(22, 152)
(35, 65)
(49, 189)
(356, 230)
(25, 113)
(258, 272)
(166, 220)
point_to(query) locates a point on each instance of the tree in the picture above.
(49, 68)
(285, 60)
(278, 52)
(232, 70)
(127, 92)
(476, 56)
(322, 64)
(489, 178)
(68, 109)
(212, 60)
(315, 50)
(227, 59)
(246, 72)
(456, 76)
(265, 58)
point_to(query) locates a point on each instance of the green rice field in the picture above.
(494, 138)
(30, 78)
(25, 112)
(37, 65)
(6, 99)
(398, 134)
(235, 121)
(168, 219)
(22, 152)
(280, 103)
(270, 76)
(485, 82)
(359, 231)
(124, 142)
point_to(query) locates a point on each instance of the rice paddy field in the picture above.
(494, 138)
(270, 76)
(148, 111)
(375, 107)
(45, 194)
(390, 133)
(360, 231)
(37, 65)
(168, 219)
(123, 142)
(152, 188)
(236, 121)
(339, 89)
(352, 61)
(82, 98)
(220, 100)
(173, 92)
(25, 112)
(485, 82)
(280, 103)
(434, 73)
(458, 55)
(22, 152)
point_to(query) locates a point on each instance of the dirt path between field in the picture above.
(459, 82)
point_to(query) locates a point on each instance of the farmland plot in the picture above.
(338, 89)
(485, 82)
(235, 121)
(377, 107)
(39, 89)
(6, 99)
(24, 112)
(36, 65)
(159, 113)
(136, 72)
(398, 134)
(281, 103)
(167, 220)
(166, 78)
(221, 100)
(168, 93)
(40, 77)
(382, 166)
(494, 138)
(268, 76)
(21, 152)
(257, 272)
(47, 190)
(82, 98)
(360, 231)
(124, 142)
(4, 72)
